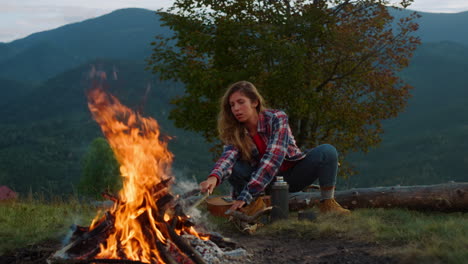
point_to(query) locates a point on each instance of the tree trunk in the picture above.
(303, 132)
(447, 197)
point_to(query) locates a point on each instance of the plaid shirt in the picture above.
(274, 129)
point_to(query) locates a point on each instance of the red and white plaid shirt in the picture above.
(273, 128)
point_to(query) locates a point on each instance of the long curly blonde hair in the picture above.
(231, 131)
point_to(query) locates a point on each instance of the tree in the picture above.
(100, 170)
(331, 65)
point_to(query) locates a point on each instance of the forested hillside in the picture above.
(46, 127)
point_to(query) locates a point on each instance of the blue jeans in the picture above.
(319, 163)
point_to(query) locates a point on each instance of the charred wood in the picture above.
(86, 245)
(220, 241)
(94, 261)
(177, 254)
(183, 245)
(163, 201)
(167, 258)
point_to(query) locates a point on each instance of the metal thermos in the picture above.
(279, 199)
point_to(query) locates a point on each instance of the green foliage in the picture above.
(28, 222)
(100, 170)
(333, 69)
(413, 236)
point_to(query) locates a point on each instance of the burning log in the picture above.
(93, 261)
(83, 241)
(185, 247)
(165, 255)
(447, 197)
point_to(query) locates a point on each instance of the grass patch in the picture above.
(413, 236)
(24, 223)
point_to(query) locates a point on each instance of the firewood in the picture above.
(183, 245)
(250, 218)
(85, 245)
(110, 196)
(164, 254)
(221, 241)
(93, 261)
(163, 201)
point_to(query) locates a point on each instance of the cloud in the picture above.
(437, 6)
(19, 19)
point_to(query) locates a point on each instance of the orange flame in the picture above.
(144, 162)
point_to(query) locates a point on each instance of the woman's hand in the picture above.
(208, 185)
(236, 205)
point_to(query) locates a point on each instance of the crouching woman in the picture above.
(259, 145)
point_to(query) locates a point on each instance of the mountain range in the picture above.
(46, 127)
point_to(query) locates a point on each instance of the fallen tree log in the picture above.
(449, 197)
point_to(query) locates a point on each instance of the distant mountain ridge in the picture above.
(122, 34)
(437, 27)
(444, 27)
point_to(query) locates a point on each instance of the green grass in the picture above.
(24, 223)
(412, 236)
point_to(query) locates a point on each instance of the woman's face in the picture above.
(242, 107)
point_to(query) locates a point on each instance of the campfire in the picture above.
(146, 223)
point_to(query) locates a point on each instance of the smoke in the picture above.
(183, 186)
(96, 74)
(114, 73)
(76, 220)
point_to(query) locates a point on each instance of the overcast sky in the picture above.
(19, 18)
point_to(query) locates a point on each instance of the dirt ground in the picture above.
(261, 249)
(275, 249)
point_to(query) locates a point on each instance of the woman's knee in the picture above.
(329, 151)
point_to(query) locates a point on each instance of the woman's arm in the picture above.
(222, 169)
(271, 161)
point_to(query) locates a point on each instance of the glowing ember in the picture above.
(140, 227)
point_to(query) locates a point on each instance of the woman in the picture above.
(259, 145)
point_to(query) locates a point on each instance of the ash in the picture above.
(213, 254)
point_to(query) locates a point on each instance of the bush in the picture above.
(100, 170)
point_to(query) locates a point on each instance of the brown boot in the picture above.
(254, 207)
(331, 206)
